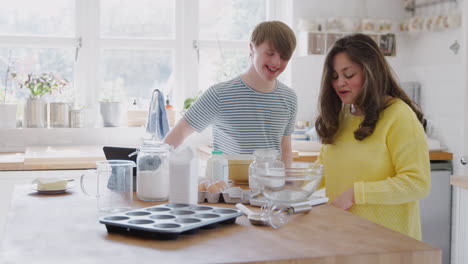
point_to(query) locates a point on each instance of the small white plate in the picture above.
(55, 191)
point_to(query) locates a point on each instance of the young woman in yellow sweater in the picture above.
(375, 155)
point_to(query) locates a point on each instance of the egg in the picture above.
(217, 187)
(222, 185)
(202, 185)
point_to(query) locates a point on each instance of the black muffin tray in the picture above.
(168, 221)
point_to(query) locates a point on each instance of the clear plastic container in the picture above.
(153, 171)
(263, 159)
(217, 167)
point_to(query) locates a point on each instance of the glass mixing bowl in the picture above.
(291, 184)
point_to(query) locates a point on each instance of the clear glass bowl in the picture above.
(292, 184)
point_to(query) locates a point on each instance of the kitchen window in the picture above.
(37, 38)
(123, 49)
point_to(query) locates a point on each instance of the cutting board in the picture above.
(11, 161)
(62, 157)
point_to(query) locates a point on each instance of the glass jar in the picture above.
(153, 171)
(263, 158)
(217, 167)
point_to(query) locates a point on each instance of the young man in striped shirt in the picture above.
(253, 110)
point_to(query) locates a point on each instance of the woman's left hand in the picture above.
(344, 200)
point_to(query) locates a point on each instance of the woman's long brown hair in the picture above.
(379, 82)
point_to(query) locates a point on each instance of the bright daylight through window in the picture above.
(121, 50)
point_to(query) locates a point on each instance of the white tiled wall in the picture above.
(423, 57)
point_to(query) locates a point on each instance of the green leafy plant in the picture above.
(190, 100)
(46, 83)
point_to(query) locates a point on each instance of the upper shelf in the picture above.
(318, 43)
(413, 6)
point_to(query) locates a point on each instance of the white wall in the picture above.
(426, 58)
(348, 8)
(306, 71)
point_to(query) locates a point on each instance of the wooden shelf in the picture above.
(320, 42)
(440, 155)
(459, 181)
(413, 8)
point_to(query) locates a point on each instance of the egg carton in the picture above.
(230, 195)
(168, 221)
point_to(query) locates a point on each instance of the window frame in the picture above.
(87, 40)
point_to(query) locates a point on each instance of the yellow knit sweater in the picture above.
(389, 170)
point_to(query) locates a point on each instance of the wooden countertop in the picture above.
(308, 156)
(85, 157)
(459, 181)
(64, 229)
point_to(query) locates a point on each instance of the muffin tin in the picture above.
(168, 221)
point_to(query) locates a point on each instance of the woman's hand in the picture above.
(344, 200)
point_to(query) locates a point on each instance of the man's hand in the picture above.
(179, 133)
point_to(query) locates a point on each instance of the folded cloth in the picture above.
(118, 180)
(157, 124)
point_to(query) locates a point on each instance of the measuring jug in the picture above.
(114, 185)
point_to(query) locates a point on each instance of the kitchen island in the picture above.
(64, 228)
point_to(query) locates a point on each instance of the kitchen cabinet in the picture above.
(460, 218)
(436, 209)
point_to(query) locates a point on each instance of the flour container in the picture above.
(153, 171)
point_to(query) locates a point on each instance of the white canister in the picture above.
(58, 114)
(184, 176)
(76, 118)
(35, 113)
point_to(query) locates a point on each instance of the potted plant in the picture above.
(110, 104)
(35, 111)
(189, 101)
(7, 109)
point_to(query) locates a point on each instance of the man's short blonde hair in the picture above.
(277, 34)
